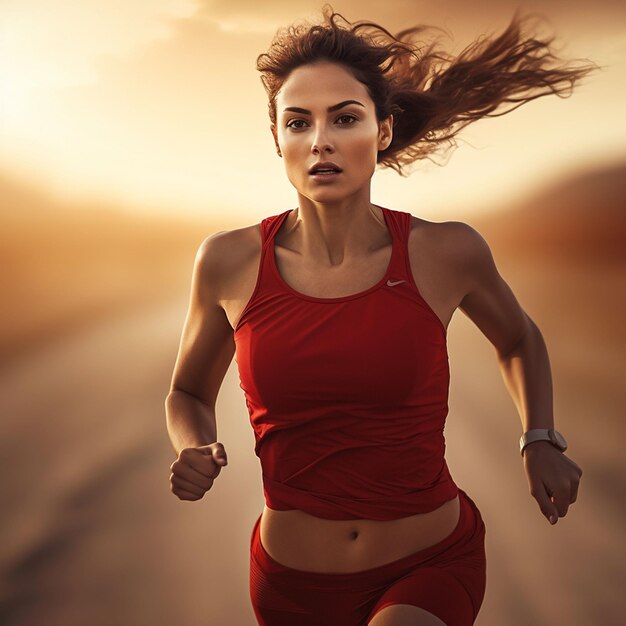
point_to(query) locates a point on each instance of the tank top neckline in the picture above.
(359, 294)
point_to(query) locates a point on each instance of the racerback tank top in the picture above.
(347, 396)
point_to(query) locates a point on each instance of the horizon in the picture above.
(130, 115)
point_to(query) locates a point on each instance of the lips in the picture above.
(324, 167)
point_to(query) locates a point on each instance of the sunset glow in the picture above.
(158, 106)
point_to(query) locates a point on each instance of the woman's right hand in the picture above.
(195, 469)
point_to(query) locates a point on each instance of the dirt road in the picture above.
(92, 534)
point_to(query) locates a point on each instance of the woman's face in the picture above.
(348, 136)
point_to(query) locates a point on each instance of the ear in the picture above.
(273, 129)
(385, 134)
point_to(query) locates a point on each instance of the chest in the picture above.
(383, 347)
(439, 284)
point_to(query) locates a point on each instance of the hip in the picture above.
(301, 541)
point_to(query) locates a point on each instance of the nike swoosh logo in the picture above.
(395, 282)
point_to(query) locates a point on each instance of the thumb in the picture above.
(216, 452)
(219, 454)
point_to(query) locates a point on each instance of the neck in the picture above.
(331, 234)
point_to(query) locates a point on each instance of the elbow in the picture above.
(529, 330)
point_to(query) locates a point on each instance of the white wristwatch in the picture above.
(539, 434)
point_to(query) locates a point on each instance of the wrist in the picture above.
(546, 435)
(537, 445)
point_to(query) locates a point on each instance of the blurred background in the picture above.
(129, 132)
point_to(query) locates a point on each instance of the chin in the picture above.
(335, 196)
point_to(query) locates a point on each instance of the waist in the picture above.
(337, 492)
(302, 541)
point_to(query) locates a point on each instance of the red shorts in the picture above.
(447, 579)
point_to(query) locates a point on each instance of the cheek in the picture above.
(293, 150)
(364, 141)
(362, 153)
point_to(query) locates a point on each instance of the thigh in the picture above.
(452, 583)
(435, 590)
(282, 596)
(279, 601)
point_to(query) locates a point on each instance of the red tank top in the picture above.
(347, 396)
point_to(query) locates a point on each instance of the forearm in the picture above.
(528, 378)
(190, 422)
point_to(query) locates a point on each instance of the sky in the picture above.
(156, 104)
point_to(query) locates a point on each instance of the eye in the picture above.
(295, 123)
(351, 117)
(292, 122)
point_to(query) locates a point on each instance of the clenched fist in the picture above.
(195, 469)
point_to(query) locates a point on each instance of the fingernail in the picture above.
(552, 519)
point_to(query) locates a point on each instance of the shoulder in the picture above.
(454, 235)
(465, 261)
(456, 253)
(222, 254)
(223, 247)
(455, 241)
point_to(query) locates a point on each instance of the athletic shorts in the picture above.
(447, 579)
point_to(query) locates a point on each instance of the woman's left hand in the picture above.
(552, 477)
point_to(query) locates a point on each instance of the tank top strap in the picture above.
(270, 225)
(399, 223)
(267, 281)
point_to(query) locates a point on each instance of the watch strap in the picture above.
(542, 434)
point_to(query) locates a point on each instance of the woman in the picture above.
(337, 311)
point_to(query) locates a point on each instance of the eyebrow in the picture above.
(330, 109)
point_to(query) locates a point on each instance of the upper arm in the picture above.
(487, 299)
(207, 345)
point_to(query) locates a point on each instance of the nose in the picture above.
(317, 148)
(321, 144)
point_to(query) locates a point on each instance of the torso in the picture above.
(343, 546)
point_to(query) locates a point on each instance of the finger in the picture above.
(544, 497)
(186, 495)
(201, 463)
(193, 476)
(574, 491)
(188, 486)
(561, 500)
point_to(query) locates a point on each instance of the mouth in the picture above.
(325, 176)
(325, 173)
(324, 169)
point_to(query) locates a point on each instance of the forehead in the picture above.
(320, 83)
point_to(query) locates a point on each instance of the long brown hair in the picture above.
(432, 94)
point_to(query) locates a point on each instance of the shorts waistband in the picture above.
(469, 527)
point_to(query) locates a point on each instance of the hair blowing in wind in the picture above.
(432, 94)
